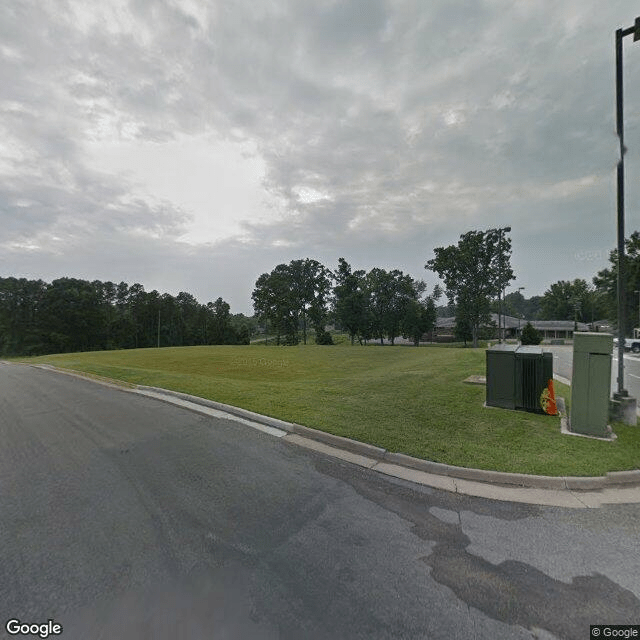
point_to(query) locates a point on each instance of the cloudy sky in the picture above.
(191, 145)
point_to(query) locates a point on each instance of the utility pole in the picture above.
(625, 405)
(500, 290)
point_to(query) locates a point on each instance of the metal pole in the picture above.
(499, 284)
(621, 258)
(158, 328)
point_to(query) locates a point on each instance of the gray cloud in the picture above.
(386, 128)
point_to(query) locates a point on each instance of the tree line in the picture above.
(304, 295)
(69, 315)
(477, 270)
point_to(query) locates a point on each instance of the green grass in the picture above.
(401, 398)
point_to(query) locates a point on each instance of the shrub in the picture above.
(323, 337)
(530, 335)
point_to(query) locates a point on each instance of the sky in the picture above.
(192, 145)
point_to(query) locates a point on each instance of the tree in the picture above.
(244, 327)
(76, 315)
(71, 316)
(530, 335)
(20, 310)
(463, 329)
(274, 302)
(516, 305)
(351, 300)
(293, 295)
(566, 300)
(605, 301)
(419, 318)
(310, 284)
(474, 272)
(219, 329)
(390, 292)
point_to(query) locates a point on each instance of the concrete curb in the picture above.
(227, 408)
(558, 483)
(613, 479)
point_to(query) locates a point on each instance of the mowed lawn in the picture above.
(405, 399)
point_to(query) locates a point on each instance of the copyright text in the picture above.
(615, 631)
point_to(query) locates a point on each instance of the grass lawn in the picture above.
(401, 398)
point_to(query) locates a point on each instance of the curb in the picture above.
(613, 479)
(558, 483)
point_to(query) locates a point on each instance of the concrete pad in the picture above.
(321, 447)
(414, 475)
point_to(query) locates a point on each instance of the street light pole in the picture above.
(519, 314)
(622, 393)
(500, 290)
(620, 34)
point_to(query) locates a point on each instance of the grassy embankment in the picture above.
(401, 398)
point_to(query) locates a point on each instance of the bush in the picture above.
(323, 337)
(530, 335)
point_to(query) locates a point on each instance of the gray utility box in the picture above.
(517, 376)
(591, 383)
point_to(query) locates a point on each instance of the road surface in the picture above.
(125, 517)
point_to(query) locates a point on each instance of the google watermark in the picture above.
(16, 627)
(615, 631)
(259, 362)
(589, 256)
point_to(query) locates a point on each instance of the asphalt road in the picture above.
(125, 517)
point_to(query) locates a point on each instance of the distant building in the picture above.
(512, 327)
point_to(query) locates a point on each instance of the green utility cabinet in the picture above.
(516, 376)
(534, 369)
(591, 382)
(501, 376)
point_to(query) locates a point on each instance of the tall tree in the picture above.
(390, 292)
(294, 295)
(71, 316)
(274, 302)
(606, 286)
(20, 309)
(474, 272)
(565, 300)
(76, 315)
(310, 284)
(419, 318)
(351, 300)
